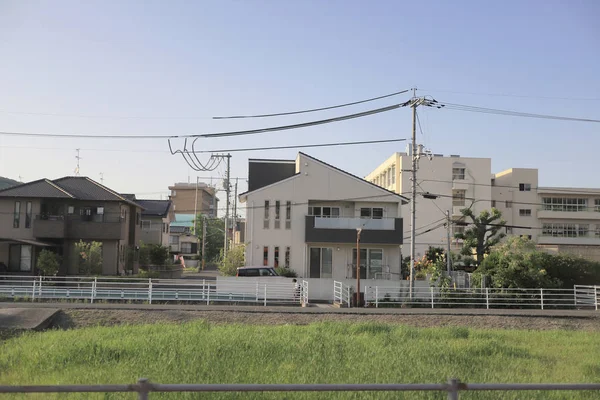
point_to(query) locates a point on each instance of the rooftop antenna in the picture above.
(102, 178)
(20, 179)
(78, 158)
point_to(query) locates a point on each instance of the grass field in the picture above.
(200, 352)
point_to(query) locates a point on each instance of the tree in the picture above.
(48, 263)
(517, 264)
(483, 234)
(90, 257)
(433, 253)
(154, 254)
(215, 236)
(234, 259)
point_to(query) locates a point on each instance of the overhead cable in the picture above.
(312, 109)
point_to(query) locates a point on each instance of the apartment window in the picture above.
(288, 215)
(598, 230)
(493, 203)
(277, 214)
(287, 257)
(28, 215)
(458, 173)
(389, 176)
(564, 204)
(266, 256)
(325, 212)
(173, 239)
(186, 248)
(394, 174)
(508, 204)
(565, 230)
(524, 187)
(146, 224)
(525, 212)
(266, 222)
(321, 262)
(458, 197)
(457, 229)
(493, 182)
(17, 214)
(371, 212)
(371, 263)
(276, 257)
(597, 205)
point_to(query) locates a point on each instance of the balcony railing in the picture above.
(94, 227)
(354, 223)
(372, 271)
(344, 230)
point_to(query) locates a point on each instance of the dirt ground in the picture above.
(84, 318)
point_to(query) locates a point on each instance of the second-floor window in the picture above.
(28, 215)
(146, 224)
(458, 174)
(266, 223)
(525, 212)
(325, 212)
(564, 204)
(524, 187)
(17, 215)
(371, 212)
(288, 215)
(458, 197)
(597, 205)
(173, 239)
(277, 214)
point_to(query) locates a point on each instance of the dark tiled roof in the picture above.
(178, 229)
(158, 208)
(43, 188)
(129, 196)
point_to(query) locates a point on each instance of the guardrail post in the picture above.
(376, 296)
(40, 289)
(265, 294)
(33, 291)
(542, 298)
(203, 288)
(431, 289)
(208, 295)
(257, 291)
(93, 289)
(150, 290)
(487, 299)
(453, 389)
(143, 389)
(596, 297)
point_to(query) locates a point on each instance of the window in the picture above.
(524, 187)
(493, 182)
(458, 197)
(493, 203)
(389, 176)
(276, 257)
(173, 239)
(457, 229)
(71, 210)
(173, 193)
(508, 204)
(100, 210)
(371, 263)
(394, 174)
(597, 205)
(458, 174)
(186, 247)
(288, 215)
(277, 214)
(287, 257)
(377, 213)
(509, 230)
(565, 230)
(525, 212)
(374, 213)
(564, 204)
(138, 217)
(266, 256)
(164, 227)
(28, 215)
(19, 257)
(597, 230)
(17, 214)
(146, 224)
(321, 262)
(325, 212)
(266, 221)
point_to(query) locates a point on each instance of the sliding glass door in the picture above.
(321, 262)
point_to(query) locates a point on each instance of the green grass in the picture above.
(199, 352)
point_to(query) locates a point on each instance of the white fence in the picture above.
(579, 297)
(143, 388)
(152, 290)
(341, 294)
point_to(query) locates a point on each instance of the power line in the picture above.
(209, 135)
(303, 146)
(462, 107)
(514, 95)
(313, 109)
(45, 114)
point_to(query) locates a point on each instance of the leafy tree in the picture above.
(215, 236)
(234, 259)
(48, 263)
(154, 254)
(483, 234)
(433, 253)
(571, 270)
(90, 257)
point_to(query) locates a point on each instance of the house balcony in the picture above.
(343, 230)
(74, 227)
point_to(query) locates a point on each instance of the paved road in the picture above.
(314, 310)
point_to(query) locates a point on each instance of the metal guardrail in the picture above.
(144, 387)
(341, 293)
(152, 290)
(578, 297)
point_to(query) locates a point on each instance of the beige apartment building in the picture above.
(190, 197)
(558, 219)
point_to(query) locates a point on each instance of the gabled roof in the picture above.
(69, 187)
(404, 200)
(41, 188)
(155, 208)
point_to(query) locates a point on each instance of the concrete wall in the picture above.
(316, 183)
(7, 207)
(510, 200)
(110, 257)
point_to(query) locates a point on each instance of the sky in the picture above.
(166, 68)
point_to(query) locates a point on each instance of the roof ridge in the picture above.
(59, 188)
(46, 180)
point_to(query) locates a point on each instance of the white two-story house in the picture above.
(304, 214)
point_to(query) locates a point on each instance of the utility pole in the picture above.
(413, 200)
(204, 221)
(196, 218)
(448, 255)
(234, 229)
(227, 190)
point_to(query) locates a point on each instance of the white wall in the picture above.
(315, 182)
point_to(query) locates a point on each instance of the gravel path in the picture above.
(76, 318)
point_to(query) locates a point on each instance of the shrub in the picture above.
(154, 254)
(147, 275)
(48, 263)
(235, 258)
(288, 273)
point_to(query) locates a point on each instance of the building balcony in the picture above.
(587, 213)
(343, 230)
(74, 227)
(49, 227)
(591, 239)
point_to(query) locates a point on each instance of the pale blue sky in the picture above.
(153, 59)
